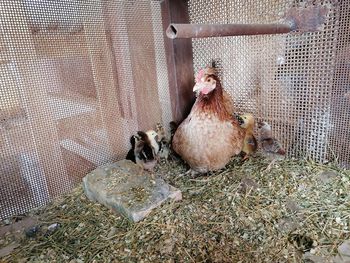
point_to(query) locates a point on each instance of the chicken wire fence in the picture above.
(77, 78)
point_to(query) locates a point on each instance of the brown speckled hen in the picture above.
(210, 135)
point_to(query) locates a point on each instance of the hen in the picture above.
(210, 135)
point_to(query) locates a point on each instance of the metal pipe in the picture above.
(222, 30)
(300, 19)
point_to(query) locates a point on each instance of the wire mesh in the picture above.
(293, 81)
(77, 78)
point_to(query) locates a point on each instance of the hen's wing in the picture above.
(228, 102)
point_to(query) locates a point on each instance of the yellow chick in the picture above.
(250, 144)
(160, 131)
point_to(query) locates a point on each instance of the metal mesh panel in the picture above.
(77, 78)
(339, 139)
(294, 81)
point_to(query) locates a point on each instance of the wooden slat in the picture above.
(43, 130)
(116, 44)
(58, 44)
(179, 60)
(102, 68)
(14, 137)
(142, 55)
(77, 166)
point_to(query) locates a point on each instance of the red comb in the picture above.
(200, 75)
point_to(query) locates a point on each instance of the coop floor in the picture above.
(258, 211)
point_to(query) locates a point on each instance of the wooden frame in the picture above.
(179, 60)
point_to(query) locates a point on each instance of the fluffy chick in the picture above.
(163, 141)
(141, 151)
(164, 151)
(160, 131)
(144, 151)
(250, 144)
(269, 144)
(153, 139)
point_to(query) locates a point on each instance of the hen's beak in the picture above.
(197, 87)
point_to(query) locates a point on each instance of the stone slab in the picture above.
(127, 189)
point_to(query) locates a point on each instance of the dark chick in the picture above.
(269, 144)
(131, 154)
(144, 152)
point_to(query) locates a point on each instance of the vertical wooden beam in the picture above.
(143, 62)
(179, 59)
(102, 68)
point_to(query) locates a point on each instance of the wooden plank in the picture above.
(77, 166)
(78, 126)
(142, 55)
(102, 68)
(58, 44)
(14, 137)
(43, 129)
(10, 102)
(115, 32)
(76, 76)
(117, 39)
(179, 60)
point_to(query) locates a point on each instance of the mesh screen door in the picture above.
(300, 83)
(77, 78)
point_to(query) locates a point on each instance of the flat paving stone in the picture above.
(127, 189)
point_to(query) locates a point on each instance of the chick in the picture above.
(164, 151)
(250, 144)
(153, 139)
(144, 151)
(163, 142)
(160, 131)
(269, 144)
(141, 151)
(131, 153)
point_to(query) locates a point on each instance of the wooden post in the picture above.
(143, 62)
(102, 68)
(179, 60)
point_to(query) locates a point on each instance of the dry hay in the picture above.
(258, 211)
